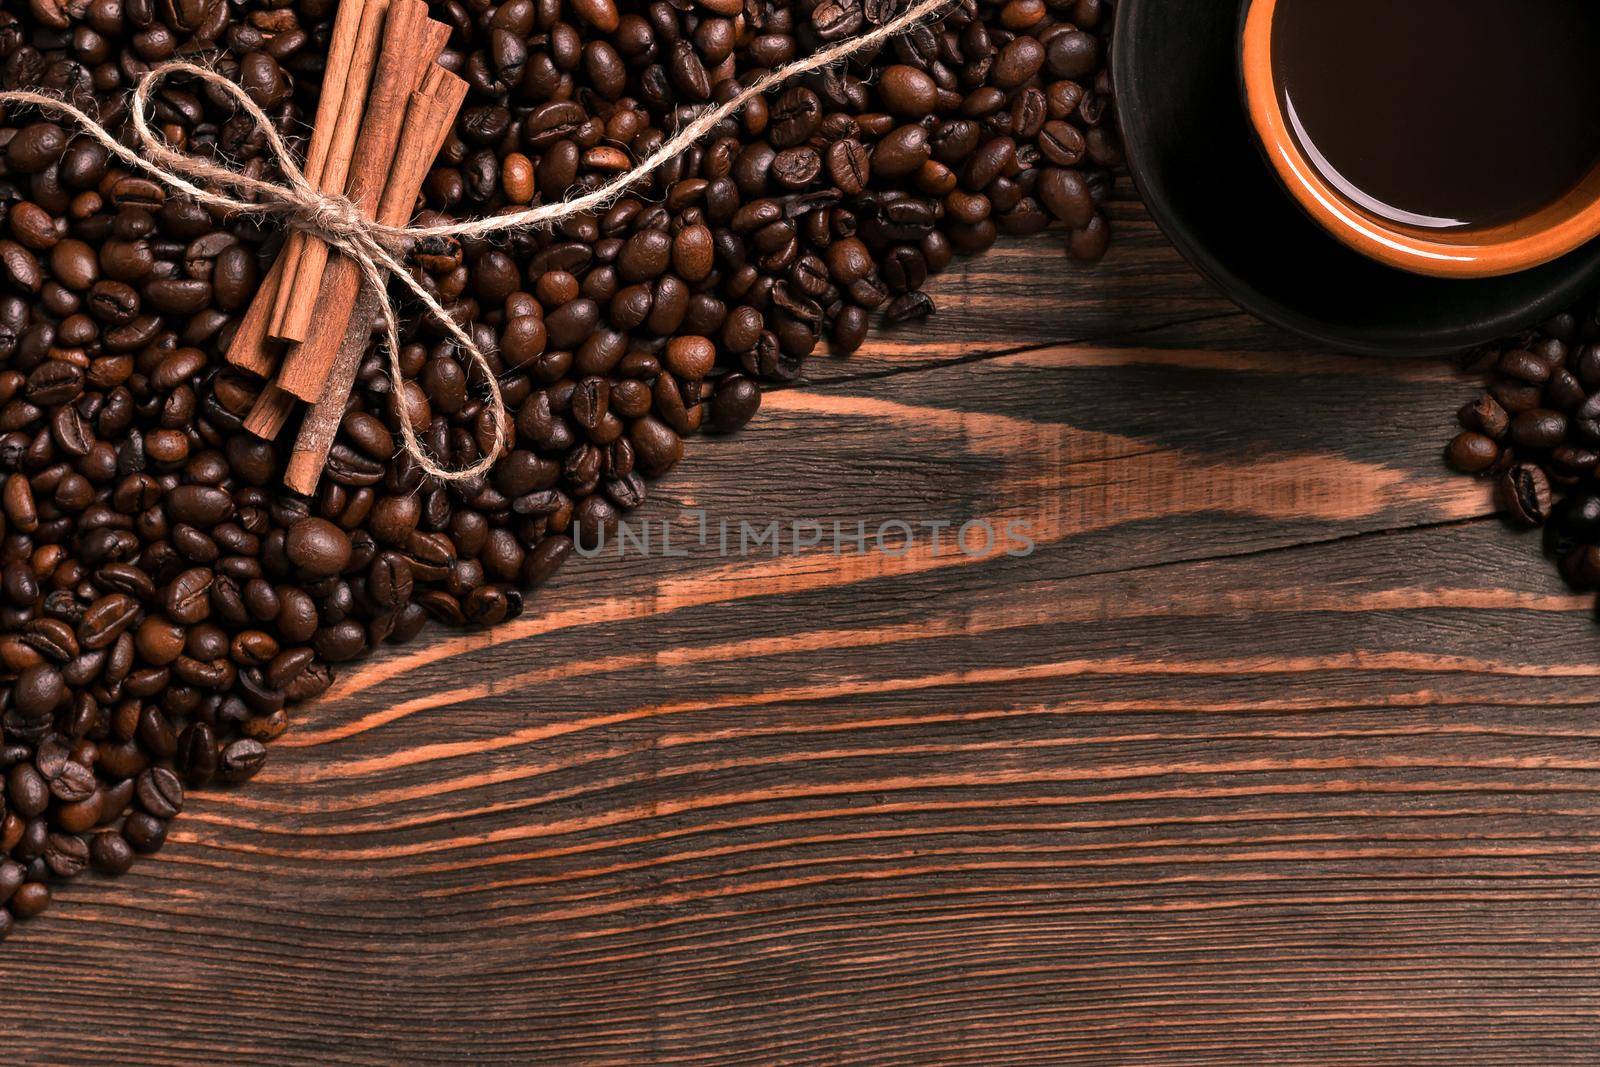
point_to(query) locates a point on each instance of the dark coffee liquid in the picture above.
(1443, 113)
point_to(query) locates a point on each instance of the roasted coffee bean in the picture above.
(1486, 417)
(72, 783)
(1548, 434)
(30, 899)
(901, 153)
(52, 639)
(1524, 494)
(795, 117)
(144, 832)
(27, 792)
(197, 754)
(734, 403)
(159, 792)
(36, 147)
(796, 168)
(849, 166)
(690, 357)
(1524, 365)
(1472, 452)
(1066, 195)
(79, 816)
(241, 760)
(38, 692)
(317, 547)
(110, 853)
(66, 854)
(571, 324)
(12, 876)
(1539, 428)
(187, 599)
(908, 91)
(389, 581)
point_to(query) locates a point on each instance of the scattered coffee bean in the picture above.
(1536, 430)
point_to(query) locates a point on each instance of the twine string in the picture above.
(378, 249)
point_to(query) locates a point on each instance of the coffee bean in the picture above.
(796, 168)
(1486, 416)
(30, 899)
(849, 166)
(34, 226)
(907, 91)
(241, 760)
(571, 324)
(1073, 55)
(687, 71)
(602, 14)
(735, 403)
(51, 638)
(35, 147)
(1066, 195)
(690, 357)
(1539, 428)
(74, 264)
(658, 448)
(1472, 452)
(20, 267)
(1089, 244)
(199, 505)
(1523, 365)
(26, 791)
(73, 783)
(1019, 61)
(110, 853)
(38, 691)
(692, 253)
(67, 855)
(900, 153)
(645, 255)
(197, 754)
(12, 876)
(187, 599)
(144, 832)
(318, 547)
(159, 792)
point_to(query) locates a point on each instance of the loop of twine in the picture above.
(376, 248)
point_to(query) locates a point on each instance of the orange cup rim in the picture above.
(1540, 238)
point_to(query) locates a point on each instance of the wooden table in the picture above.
(1278, 749)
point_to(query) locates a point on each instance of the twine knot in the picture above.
(329, 217)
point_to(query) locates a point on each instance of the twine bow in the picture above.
(378, 250)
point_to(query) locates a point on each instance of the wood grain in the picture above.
(1278, 749)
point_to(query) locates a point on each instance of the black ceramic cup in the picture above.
(1202, 174)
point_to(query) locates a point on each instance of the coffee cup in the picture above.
(1418, 242)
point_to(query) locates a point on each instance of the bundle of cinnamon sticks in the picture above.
(386, 109)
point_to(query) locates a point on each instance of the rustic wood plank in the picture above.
(1278, 749)
(1026, 293)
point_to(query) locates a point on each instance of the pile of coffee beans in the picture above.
(1535, 430)
(163, 600)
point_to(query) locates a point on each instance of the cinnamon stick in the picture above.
(433, 114)
(292, 316)
(249, 349)
(336, 75)
(320, 428)
(411, 44)
(270, 411)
